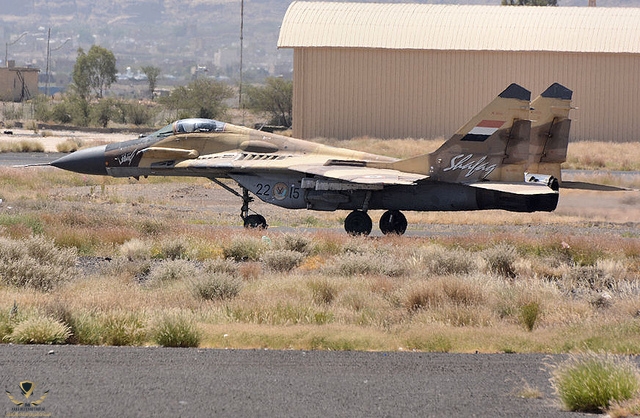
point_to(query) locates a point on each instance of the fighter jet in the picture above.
(506, 157)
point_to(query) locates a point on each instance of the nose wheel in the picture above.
(254, 221)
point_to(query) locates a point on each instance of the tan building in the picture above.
(422, 70)
(18, 83)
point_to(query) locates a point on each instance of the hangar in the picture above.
(422, 70)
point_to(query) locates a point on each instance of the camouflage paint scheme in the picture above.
(506, 157)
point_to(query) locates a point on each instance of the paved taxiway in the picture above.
(163, 382)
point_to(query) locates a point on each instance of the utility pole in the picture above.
(241, 52)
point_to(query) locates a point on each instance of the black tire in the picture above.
(255, 221)
(358, 223)
(393, 222)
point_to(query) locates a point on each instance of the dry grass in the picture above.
(478, 281)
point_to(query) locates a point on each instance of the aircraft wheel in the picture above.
(393, 222)
(255, 221)
(358, 223)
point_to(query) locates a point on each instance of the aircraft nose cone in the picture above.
(85, 161)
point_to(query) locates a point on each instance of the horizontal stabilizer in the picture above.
(581, 185)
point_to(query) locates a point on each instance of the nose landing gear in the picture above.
(254, 221)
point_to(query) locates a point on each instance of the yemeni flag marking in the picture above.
(483, 130)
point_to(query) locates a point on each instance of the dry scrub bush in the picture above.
(35, 262)
(244, 248)
(353, 264)
(136, 250)
(40, 330)
(216, 286)
(323, 291)
(224, 266)
(171, 249)
(439, 260)
(171, 271)
(501, 259)
(281, 261)
(69, 145)
(296, 242)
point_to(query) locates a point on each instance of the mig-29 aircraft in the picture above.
(506, 157)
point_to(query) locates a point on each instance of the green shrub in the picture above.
(282, 260)
(216, 286)
(40, 330)
(35, 262)
(175, 330)
(529, 314)
(592, 382)
(6, 327)
(122, 328)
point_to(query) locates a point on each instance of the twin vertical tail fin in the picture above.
(510, 137)
(549, 131)
(493, 140)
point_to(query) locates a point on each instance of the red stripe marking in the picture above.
(490, 123)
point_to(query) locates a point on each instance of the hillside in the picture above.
(181, 37)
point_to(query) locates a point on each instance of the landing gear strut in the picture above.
(393, 222)
(250, 221)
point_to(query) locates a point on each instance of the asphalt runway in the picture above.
(87, 381)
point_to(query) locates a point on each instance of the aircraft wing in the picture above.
(360, 175)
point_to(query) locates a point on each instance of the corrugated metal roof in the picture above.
(461, 27)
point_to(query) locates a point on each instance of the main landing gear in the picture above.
(359, 223)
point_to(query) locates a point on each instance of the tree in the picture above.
(202, 98)
(81, 75)
(275, 98)
(152, 74)
(94, 70)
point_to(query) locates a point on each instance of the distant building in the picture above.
(422, 70)
(18, 83)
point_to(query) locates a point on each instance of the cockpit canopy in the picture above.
(197, 125)
(184, 126)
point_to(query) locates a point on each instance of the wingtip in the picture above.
(557, 91)
(515, 91)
